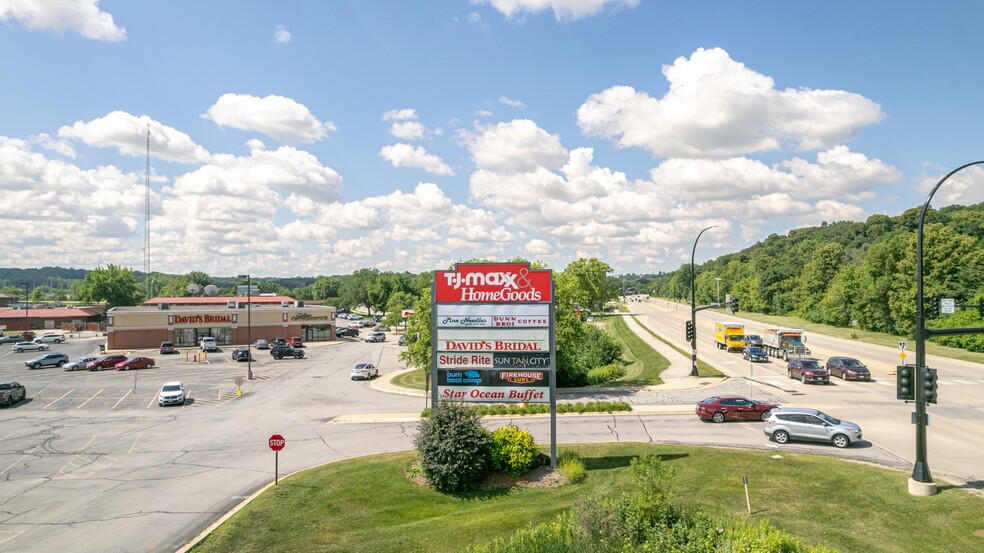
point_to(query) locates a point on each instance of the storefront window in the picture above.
(316, 333)
(189, 337)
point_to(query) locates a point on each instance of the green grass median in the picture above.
(370, 504)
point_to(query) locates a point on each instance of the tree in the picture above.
(113, 285)
(354, 290)
(585, 282)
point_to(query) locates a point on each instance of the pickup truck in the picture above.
(279, 351)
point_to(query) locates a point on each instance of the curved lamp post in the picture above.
(249, 327)
(920, 471)
(693, 305)
(27, 303)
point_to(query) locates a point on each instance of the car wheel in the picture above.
(803, 378)
(19, 350)
(789, 373)
(785, 356)
(840, 440)
(36, 366)
(765, 415)
(718, 417)
(61, 364)
(780, 436)
(126, 367)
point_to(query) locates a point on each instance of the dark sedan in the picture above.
(754, 354)
(350, 332)
(807, 370)
(732, 408)
(848, 368)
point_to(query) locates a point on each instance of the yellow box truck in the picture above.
(729, 336)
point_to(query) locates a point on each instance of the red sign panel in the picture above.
(277, 442)
(492, 283)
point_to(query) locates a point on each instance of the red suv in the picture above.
(807, 370)
(105, 362)
(296, 342)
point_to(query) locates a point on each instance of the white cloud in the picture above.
(537, 247)
(48, 142)
(128, 134)
(276, 116)
(81, 16)
(965, 187)
(400, 114)
(408, 130)
(519, 145)
(717, 107)
(405, 155)
(281, 35)
(510, 102)
(563, 9)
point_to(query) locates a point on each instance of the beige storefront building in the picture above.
(228, 322)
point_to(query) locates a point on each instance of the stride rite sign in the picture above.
(492, 283)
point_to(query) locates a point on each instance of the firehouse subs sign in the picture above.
(492, 334)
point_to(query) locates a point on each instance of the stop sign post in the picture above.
(276, 443)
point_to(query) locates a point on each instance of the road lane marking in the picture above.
(91, 398)
(152, 398)
(59, 399)
(122, 398)
(13, 534)
(15, 463)
(77, 456)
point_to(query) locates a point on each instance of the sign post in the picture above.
(276, 443)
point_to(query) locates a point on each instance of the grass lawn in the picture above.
(643, 363)
(369, 504)
(415, 380)
(703, 369)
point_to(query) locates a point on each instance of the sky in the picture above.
(313, 138)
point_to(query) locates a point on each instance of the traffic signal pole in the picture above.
(693, 306)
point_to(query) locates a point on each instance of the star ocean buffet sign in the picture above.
(492, 334)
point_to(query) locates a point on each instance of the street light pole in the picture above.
(27, 303)
(249, 326)
(693, 305)
(717, 280)
(922, 482)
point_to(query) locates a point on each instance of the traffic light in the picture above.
(929, 384)
(905, 385)
(690, 331)
(934, 307)
(734, 305)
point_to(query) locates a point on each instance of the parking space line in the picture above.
(13, 534)
(187, 397)
(122, 398)
(77, 455)
(91, 398)
(152, 398)
(59, 399)
(15, 463)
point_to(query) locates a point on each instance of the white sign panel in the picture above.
(493, 334)
(493, 345)
(948, 306)
(494, 394)
(532, 310)
(460, 360)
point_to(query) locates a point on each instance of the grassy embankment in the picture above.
(369, 504)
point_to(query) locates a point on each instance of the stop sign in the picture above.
(277, 442)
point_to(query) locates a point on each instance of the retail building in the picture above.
(230, 320)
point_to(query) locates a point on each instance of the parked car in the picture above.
(403, 340)
(11, 392)
(365, 371)
(29, 335)
(732, 408)
(11, 338)
(135, 363)
(283, 350)
(29, 346)
(261, 344)
(172, 393)
(351, 332)
(848, 368)
(368, 324)
(785, 424)
(807, 370)
(167, 348)
(240, 354)
(296, 342)
(208, 344)
(51, 338)
(47, 360)
(753, 340)
(354, 317)
(754, 354)
(104, 362)
(376, 337)
(355, 326)
(78, 364)
(277, 342)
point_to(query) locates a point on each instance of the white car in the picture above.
(171, 393)
(78, 364)
(56, 338)
(28, 346)
(208, 344)
(366, 371)
(376, 337)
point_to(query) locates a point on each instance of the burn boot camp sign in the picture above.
(492, 334)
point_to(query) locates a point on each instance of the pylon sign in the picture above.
(492, 334)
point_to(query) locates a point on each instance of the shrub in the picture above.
(571, 466)
(453, 448)
(599, 375)
(514, 451)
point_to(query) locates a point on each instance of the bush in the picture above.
(571, 466)
(599, 375)
(453, 448)
(514, 451)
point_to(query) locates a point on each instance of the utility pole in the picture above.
(693, 306)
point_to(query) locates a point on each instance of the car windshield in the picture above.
(828, 418)
(756, 350)
(172, 388)
(811, 365)
(711, 399)
(6, 386)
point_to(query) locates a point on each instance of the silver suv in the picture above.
(47, 360)
(790, 423)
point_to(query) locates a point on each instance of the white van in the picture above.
(208, 344)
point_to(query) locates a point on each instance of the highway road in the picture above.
(956, 425)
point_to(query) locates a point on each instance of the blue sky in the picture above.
(306, 138)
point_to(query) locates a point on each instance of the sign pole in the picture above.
(276, 468)
(276, 443)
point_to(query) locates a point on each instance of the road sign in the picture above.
(902, 356)
(948, 306)
(277, 442)
(902, 345)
